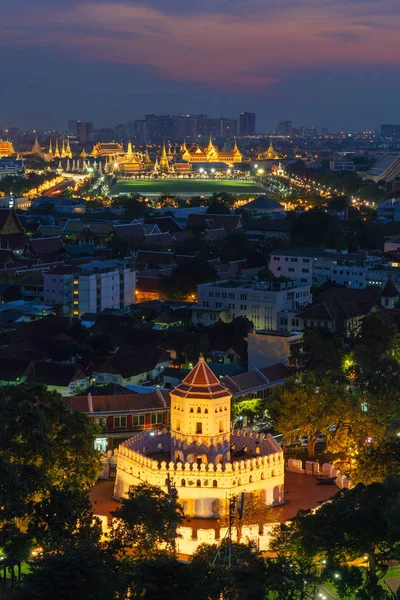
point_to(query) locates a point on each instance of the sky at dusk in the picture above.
(317, 62)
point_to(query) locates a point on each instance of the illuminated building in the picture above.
(108, 149)
(211, 154)
(57, 150)
(6, 149)
(247, 123)
(201, 456)
(270, 154)
(36, 149)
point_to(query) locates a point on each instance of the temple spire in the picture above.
(68, 149)
(51, 147)
(63, 154)
(57, 150)
(164, 164)
(129, 153)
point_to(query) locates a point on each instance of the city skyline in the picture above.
(109, 63)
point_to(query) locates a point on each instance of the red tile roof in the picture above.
(120, 403)
(201, 383)
(256, 378)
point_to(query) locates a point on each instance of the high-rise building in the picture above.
(91, 287)
(228, 127)
(284, 128)
(247, 123)
(390, 132)
(81, 129)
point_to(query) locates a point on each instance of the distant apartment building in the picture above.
(91, 287)
(261, 302)
(284, 128)
(314, 266)
(389, 210)
(390, 132)
(247, 123)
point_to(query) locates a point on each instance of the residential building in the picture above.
(389, 210)
(247, 123)
(266, 348)
(340, 309)
(91, 287)
(120, 416)
(314, 266)
(261, 302)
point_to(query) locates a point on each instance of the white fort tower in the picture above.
(201, 456)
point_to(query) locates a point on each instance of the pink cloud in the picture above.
(219, 50)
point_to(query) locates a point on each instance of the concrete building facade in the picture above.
(259, 301)
(91, 287)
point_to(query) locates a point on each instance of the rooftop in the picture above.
(201, 383)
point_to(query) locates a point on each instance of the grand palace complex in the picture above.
(200, 456)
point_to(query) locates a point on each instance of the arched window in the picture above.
(191, 410)
(215, 483)
(198, 483)
(251, 479)
(198, 410)
(206, 411)
(183, 482)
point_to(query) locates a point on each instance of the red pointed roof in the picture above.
(201, 383)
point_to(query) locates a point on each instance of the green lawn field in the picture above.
(185, 186)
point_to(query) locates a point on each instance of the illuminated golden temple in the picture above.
(270, 154)
(6, 149)
(211, 154)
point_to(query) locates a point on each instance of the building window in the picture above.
(221, 426)
(198, 410)
(100, 421)
(243, 307)
(120, 422)
(191, 410)
(243, 296)
(138, 420)
(199, 427)
(211, 294)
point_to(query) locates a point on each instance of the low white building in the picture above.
(91, 287)
(259, 301)
(314, 266)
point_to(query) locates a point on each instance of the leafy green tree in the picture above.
(217, 208)
(244, 579)
(322, 351)
(84, 571)
(64, 518)
(163, 577)
(44, 448)
(377, 462)
(354, 523)
(305, 405)
(317, 228)
(182, 284)
(146, 522)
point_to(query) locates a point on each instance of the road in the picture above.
(57, 189)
